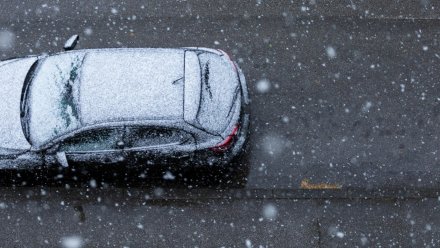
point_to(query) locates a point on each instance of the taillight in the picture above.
(229, 58)
(226, 143)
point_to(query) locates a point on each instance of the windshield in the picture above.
(52, 98)
(12, 75)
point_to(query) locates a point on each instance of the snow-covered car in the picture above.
(122, 106)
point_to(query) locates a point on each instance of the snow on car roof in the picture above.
(131, 84)
(80, 88)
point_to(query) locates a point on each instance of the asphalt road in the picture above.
(344, 95)
(124, 218)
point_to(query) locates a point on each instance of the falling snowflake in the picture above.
(88, 31)
(169, 176)
(263, 86)
(366, 107)
(331, 52)
(7, 39)
(248, 243)
(114, 11)
(72, 242)
(270, 212)
(92, 183)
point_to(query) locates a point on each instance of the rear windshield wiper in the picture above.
(206, 79)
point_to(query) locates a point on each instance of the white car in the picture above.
(122, 106)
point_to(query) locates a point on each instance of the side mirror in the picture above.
(62, 159)
(71, 43)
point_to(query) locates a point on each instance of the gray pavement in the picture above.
(345, 95)
(35, 217)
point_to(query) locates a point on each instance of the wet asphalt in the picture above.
(343, 149)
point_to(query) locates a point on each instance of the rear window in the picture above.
(220, 88)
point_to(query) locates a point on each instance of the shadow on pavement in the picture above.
(232, 176)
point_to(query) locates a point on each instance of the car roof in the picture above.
(131, 84)
(85, 87)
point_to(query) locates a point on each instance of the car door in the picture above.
(151, 145)
(92, 147)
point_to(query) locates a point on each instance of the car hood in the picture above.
(12, 75)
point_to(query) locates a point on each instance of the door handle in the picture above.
(182, 156)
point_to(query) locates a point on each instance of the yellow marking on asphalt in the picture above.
(306, 184)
